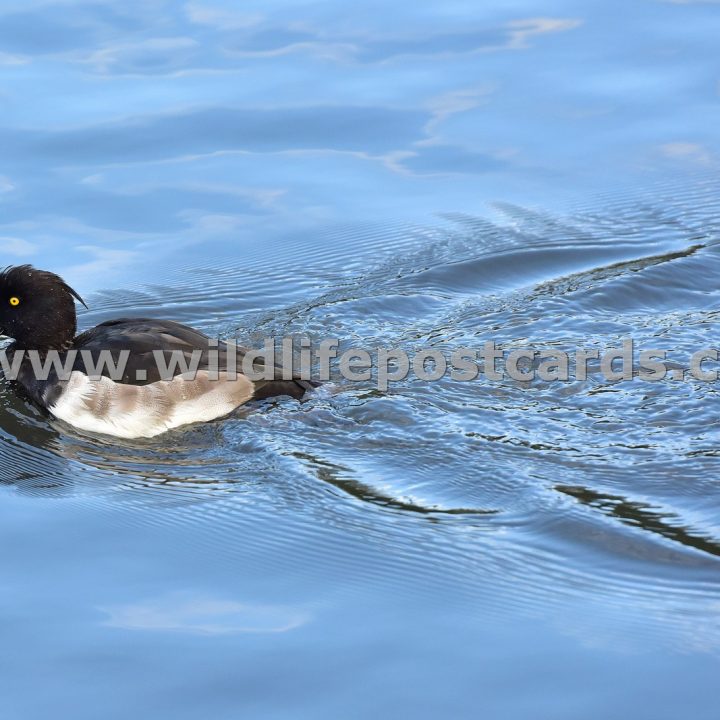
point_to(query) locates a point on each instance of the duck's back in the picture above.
(144, 342)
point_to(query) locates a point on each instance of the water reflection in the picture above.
(329, 170)
(204, 616)
(208, 123)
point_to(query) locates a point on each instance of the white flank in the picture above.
(134, 411)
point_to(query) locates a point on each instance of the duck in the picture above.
(147, 396)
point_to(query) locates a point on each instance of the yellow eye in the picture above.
(14, 301)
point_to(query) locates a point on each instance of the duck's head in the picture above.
(37, 308)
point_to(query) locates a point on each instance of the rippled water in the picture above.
(460, 549)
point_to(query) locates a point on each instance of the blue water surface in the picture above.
(390, 174)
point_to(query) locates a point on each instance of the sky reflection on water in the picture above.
(161, 124)
(391, 174)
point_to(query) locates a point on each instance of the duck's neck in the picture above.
(43, 348)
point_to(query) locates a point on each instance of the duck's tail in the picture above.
(295, 388)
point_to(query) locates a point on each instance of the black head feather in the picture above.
(37, 308)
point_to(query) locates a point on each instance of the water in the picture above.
(402, 176)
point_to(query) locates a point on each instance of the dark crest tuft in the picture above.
(27, 275)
